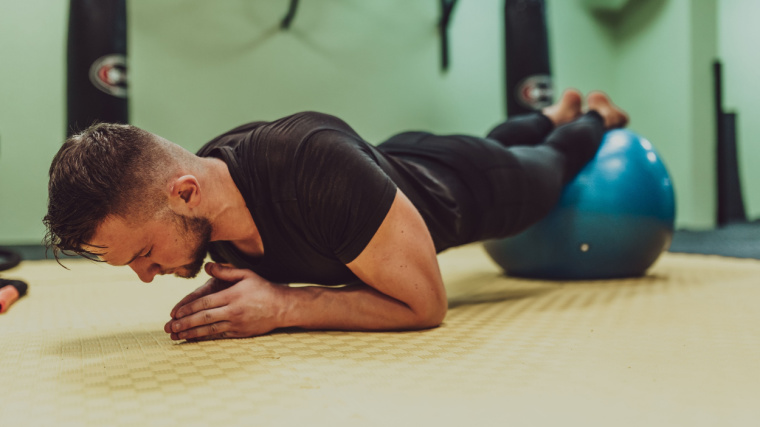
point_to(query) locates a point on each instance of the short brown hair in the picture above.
(96, 173)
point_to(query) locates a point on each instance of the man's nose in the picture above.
(145, 269)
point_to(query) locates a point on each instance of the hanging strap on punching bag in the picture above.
(529, 82)
(96, 63)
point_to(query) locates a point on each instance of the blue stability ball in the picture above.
(613, 220)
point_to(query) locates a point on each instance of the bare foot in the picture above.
(567, 109)
(613, 116)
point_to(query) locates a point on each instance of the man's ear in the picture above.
(185, 193)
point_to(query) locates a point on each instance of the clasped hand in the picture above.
(234, 303)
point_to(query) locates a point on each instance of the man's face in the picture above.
(173, 244)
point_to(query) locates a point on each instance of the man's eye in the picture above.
(148, 254)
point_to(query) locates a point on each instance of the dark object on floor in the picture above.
(738, 240)
(8, 259)
(34, 253)
(10, 291)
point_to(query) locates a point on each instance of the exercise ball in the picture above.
(612, 221)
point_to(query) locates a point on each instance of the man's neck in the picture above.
(229, 215)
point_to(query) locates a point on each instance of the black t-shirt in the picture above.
(318, 193)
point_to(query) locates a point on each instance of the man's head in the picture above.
(122, 195)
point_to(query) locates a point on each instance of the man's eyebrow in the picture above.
(132, 259)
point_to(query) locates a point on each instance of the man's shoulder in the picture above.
(294, 128)
(230, 138)
(302, 126)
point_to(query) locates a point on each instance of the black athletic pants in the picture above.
(511, 179)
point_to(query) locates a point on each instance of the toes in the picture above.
(572, 99)
(613, 116)
(596, 98)
(570, 105)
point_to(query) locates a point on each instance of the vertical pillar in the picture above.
(96, 63)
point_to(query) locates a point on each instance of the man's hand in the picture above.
(234, 303)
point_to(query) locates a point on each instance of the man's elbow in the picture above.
(431, 315)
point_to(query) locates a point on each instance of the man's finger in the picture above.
(205, 331)
(206, 289)
(201, 318)
(199, 292)
(207, 302)
(223, 335)
(228, 274)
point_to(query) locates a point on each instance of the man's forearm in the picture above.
(252, 306)
(357, 307)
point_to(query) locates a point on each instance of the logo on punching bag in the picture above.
(535, 92)
(109, 74)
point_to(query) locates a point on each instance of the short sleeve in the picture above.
(343, 194)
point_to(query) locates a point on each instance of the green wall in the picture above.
(199, 67)
(31, 111)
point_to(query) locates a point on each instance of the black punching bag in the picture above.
(97, 66)
(529, 82)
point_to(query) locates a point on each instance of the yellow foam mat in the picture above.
(680, 347)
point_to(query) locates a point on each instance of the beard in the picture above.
(197, 232)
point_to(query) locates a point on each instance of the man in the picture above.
(305, 200)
